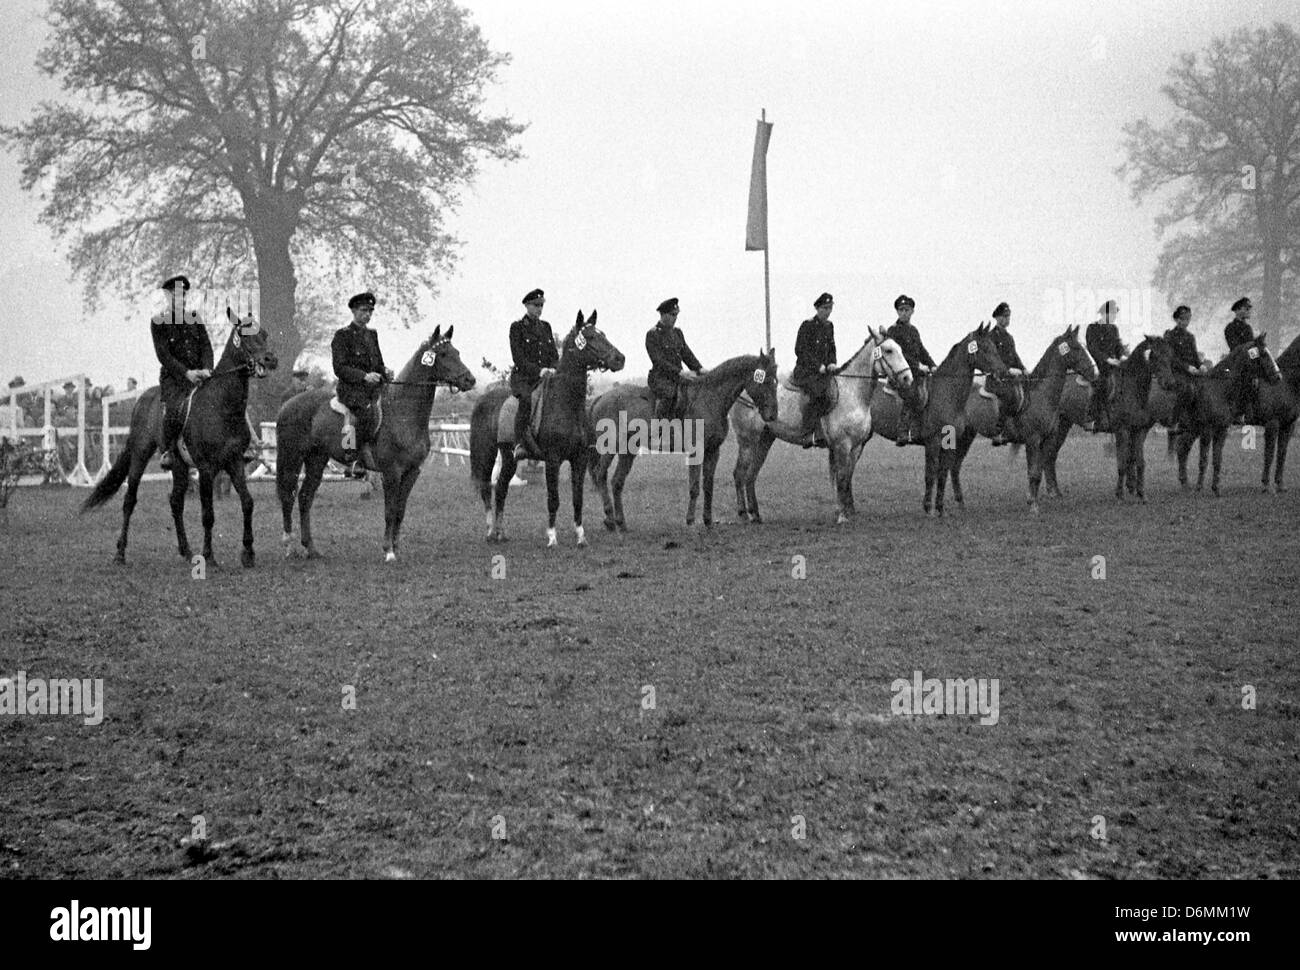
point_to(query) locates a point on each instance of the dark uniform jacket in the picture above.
(1102, 341)
(813, 347)
(1183, 345)
(532, 347)
(1237, 332)
(668, 351)
(180, 347)
(356, 353)
(1006, 346)
(908, 339)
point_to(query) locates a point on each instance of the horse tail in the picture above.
(110, 483)
(1172, 447)
(1015, 450)
(483, 441)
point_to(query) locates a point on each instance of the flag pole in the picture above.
(767, 283)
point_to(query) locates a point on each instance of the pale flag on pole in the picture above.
(756, 228)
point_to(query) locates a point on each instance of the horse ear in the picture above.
(230, 315)
(437, 333)
(447, 335)
(578, 322)
(591, 320)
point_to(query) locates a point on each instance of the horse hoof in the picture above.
(841, 519)
(610, 525)
(313, 554)
(1215, 490)
(756, 519)
(1279, 489)
(390, 556)
(622, 526)
(247, 558)
(1033, 508)
(742, 516)
(119, 560)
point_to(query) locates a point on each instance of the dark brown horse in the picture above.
(215, 436)
(1037, 423)
(943, 415)
(309, 434)
(563, 435)
(1278, 407)
(619, 415)
(1146, 392)
(1221, 395)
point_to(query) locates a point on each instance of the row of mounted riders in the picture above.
(941, 407)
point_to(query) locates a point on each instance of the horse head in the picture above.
(761, 385)
(887, 359)
(1073, 354)
(247, 347)
(589, 348)
(1160, 358)
(440, 362)
(983, 352)
(1254, 361)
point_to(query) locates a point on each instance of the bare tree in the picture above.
(1230, 160)
(238, 139)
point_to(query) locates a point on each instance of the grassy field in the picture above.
(520, 705)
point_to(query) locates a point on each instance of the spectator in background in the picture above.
(297, 384)
(132, 383)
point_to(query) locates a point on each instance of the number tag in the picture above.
(1253, 353)
(580, 341)
(427, 358)
(760, 376)
(1063, 349)
(235, 338)
(877, 353)
(972, 347)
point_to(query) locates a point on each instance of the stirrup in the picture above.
(167, 460)
(355, 470)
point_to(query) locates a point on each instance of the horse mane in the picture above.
(1288, 362)
(405, 373)
(1045, 362)
(733, 367)
(958, 348)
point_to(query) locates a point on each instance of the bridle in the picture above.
(434, 350)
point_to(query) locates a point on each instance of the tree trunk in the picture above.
(277, 287)
(1270, 299)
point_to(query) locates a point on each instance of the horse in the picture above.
(1037, 423)
(847, 426)
(562, 436)
(1278, 406)
(943, 408)
(1146, 393)
(215, 434)
(706, 401)
(309, 433)
(1220, 396)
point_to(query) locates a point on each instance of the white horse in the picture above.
(847, 426)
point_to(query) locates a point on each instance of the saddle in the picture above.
(349, 433)
(510, 407)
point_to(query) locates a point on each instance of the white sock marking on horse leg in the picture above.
(582, 535)
(550, 537)
(390, 556)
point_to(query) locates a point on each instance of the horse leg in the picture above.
(402, 493)
(552, 498)
(497, 525)
(1220, 436)
(757, 456)
(945, 469)
(621, 471)
(138, 463)
(206, 480)
(693, 477)
(848, 465)
(708, 470)
(392, 488)
(1121, 461)
(1182, 447)
(600, 478)
(315, 471)
(1034, 469)
(1139, 476)
(963, 448)
(1203, 456)
(836, 462)
(931, 468)
(578, 481)
(1270, 446)
(1052, 448)
(239, 479)
(180, 485)
(1284, 438)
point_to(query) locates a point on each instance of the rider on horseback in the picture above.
(1238, 332)
(1187, 364)
(532, 346)
(908, 338)
(181, 342)
(1108, 351)
(1006, 347)
(359, 367)
(666, 346)
(814, 351)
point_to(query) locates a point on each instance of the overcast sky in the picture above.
(961, 152)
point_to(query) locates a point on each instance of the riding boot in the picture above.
(1000, 433)
(525, 447)
(166, 459)
(367, 458)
